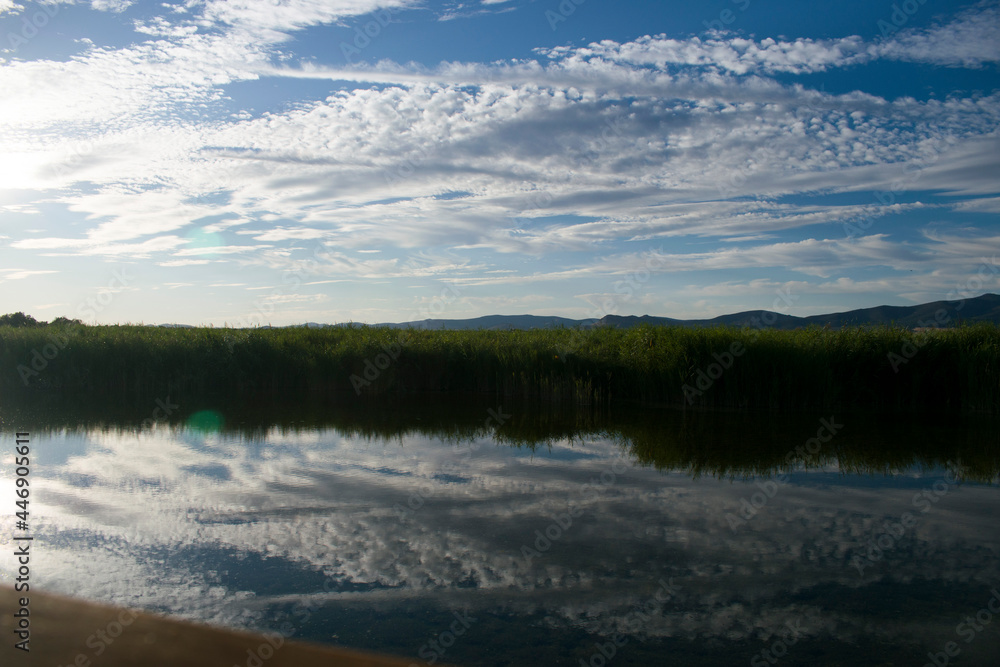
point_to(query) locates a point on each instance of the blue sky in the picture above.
(248, 162)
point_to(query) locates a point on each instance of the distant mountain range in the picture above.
(985, 308)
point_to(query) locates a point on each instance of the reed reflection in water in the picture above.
(513, 533)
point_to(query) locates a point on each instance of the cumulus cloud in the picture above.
(732, 54)
(290, 15)
(582, 148)
(116, 6)
(972, 39)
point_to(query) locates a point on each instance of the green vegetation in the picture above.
(19, 319)
(876, 369)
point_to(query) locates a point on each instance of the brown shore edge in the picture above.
(67, 631)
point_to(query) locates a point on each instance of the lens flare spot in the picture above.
(206, 421)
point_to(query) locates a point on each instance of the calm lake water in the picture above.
(487, 534)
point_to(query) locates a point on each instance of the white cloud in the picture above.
(122, 88)
(184, 262)
(285, 233)
(733, 54)
(585, 150)
(980, 205)
(294, 298)
(972, 39)
(274, 16)
(218, 250)
(21, 274)
(116, 6)
(141, 249)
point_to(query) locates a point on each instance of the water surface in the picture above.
(491, 535)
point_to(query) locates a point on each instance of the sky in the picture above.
(249, 162)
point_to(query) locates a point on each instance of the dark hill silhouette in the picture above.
(985, 308)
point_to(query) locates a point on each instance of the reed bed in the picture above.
(871, 368)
